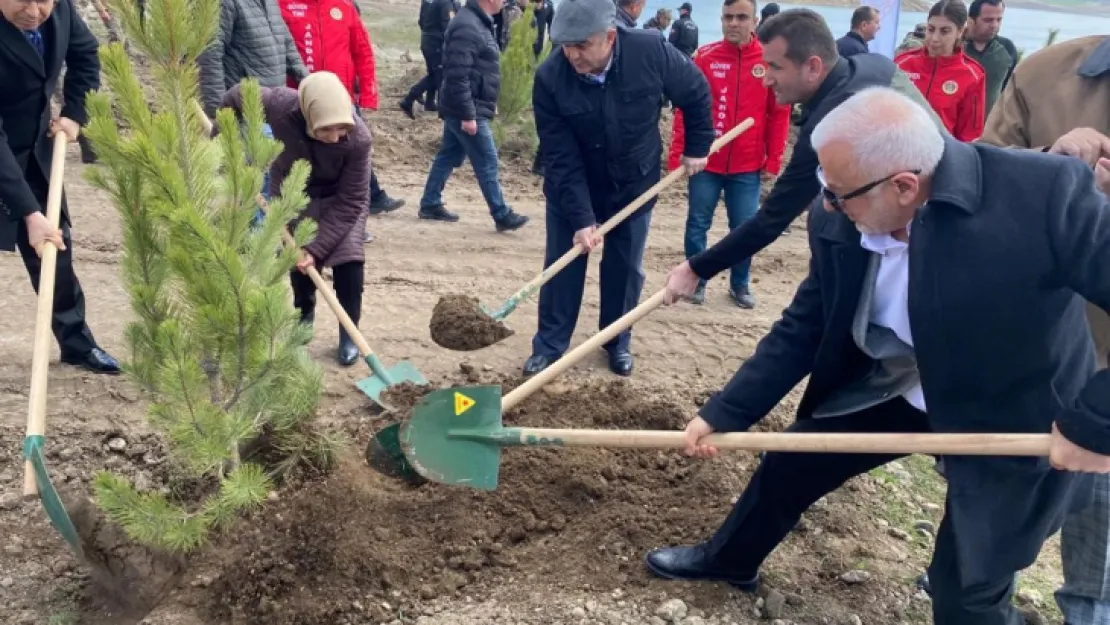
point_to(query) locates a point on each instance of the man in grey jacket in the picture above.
(252, 42)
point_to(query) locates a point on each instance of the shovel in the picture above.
(36, 477)
(445, 330)
(381, 377)
(465, 449)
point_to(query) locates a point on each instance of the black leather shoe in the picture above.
(923, 584)
(620, 362)
(535, 364)
(437, 213)
(97, 361)
(385, 204)
(691, 564)
(348, 351)
(511, 221)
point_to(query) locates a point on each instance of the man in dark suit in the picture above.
(36, 38)
(915, 317)
(596, 100)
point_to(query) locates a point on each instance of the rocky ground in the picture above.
(561, 540)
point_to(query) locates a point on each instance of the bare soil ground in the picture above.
(563, 537)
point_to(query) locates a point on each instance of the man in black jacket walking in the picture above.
(802, 67)
(684, 32)
(435, 15)
(596, 100)
(467, 103)
(36, 39)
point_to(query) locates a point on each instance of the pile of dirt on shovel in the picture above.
(358, 547)
(459, 323)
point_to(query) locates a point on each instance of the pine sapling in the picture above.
(514, 129)
(214, 344)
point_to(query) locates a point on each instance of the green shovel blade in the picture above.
(55, 510)
(384, 377)
(454, 436)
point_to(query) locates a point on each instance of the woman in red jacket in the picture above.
(953, 83)
(330, 36)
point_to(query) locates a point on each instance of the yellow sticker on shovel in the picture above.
(462, 403)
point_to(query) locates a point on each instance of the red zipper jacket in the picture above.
(330, 37)
(955, 86)
(735, 75)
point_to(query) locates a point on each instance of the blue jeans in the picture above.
(741, 193)
(258, 214)
(455, 148)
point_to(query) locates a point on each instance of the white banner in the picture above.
(888, 37)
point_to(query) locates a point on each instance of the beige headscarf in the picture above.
(325, 102)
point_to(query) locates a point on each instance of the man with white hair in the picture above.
(914, 318)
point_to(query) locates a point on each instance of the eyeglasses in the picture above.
(837, 201)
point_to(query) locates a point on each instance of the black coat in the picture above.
(1001, 258)
(684, 35)
(851, 45)
(601, 145)
(435, 16)
(471, 66)
(29, 83)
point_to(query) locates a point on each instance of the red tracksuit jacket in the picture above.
(735, 75)
(955, 86)
(330, 37)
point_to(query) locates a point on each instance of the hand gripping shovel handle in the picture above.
(931, 444)
(534, 285)
(40, 359)
(572, 358)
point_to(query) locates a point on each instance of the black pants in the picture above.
(541, 31)
(68, 322)
(621, 281)
(786, 484)
(429, 84)
(375, 188)
(348, 280)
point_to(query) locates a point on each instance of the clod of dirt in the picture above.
(131, 579)
(459, 323)
(357, 547)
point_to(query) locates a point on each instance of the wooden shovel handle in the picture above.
(313, 274)
(572, 357)
(614, 221)
(933, 444)
(40, 359)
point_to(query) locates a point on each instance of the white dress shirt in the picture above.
(890, 304)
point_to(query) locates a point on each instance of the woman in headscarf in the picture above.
(315, 122)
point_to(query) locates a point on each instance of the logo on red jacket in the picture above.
(949, 87)
(758, 70)
(336, 14)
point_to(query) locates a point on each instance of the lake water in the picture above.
(1027, 28)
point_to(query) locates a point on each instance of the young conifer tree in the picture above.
(514, 129)
(215, 344)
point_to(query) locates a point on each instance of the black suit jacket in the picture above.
(1002, 257)
(28, 84)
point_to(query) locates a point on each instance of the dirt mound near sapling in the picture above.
(130, 579)
(459, 323)
(358, 547)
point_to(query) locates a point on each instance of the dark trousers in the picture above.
(348, 280)
(68, 321)
(541, 31)
(429, 84)
(622, 280)
(786, 484)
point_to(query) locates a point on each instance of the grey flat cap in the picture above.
(577, 20)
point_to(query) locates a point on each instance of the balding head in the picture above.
(877, 152)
